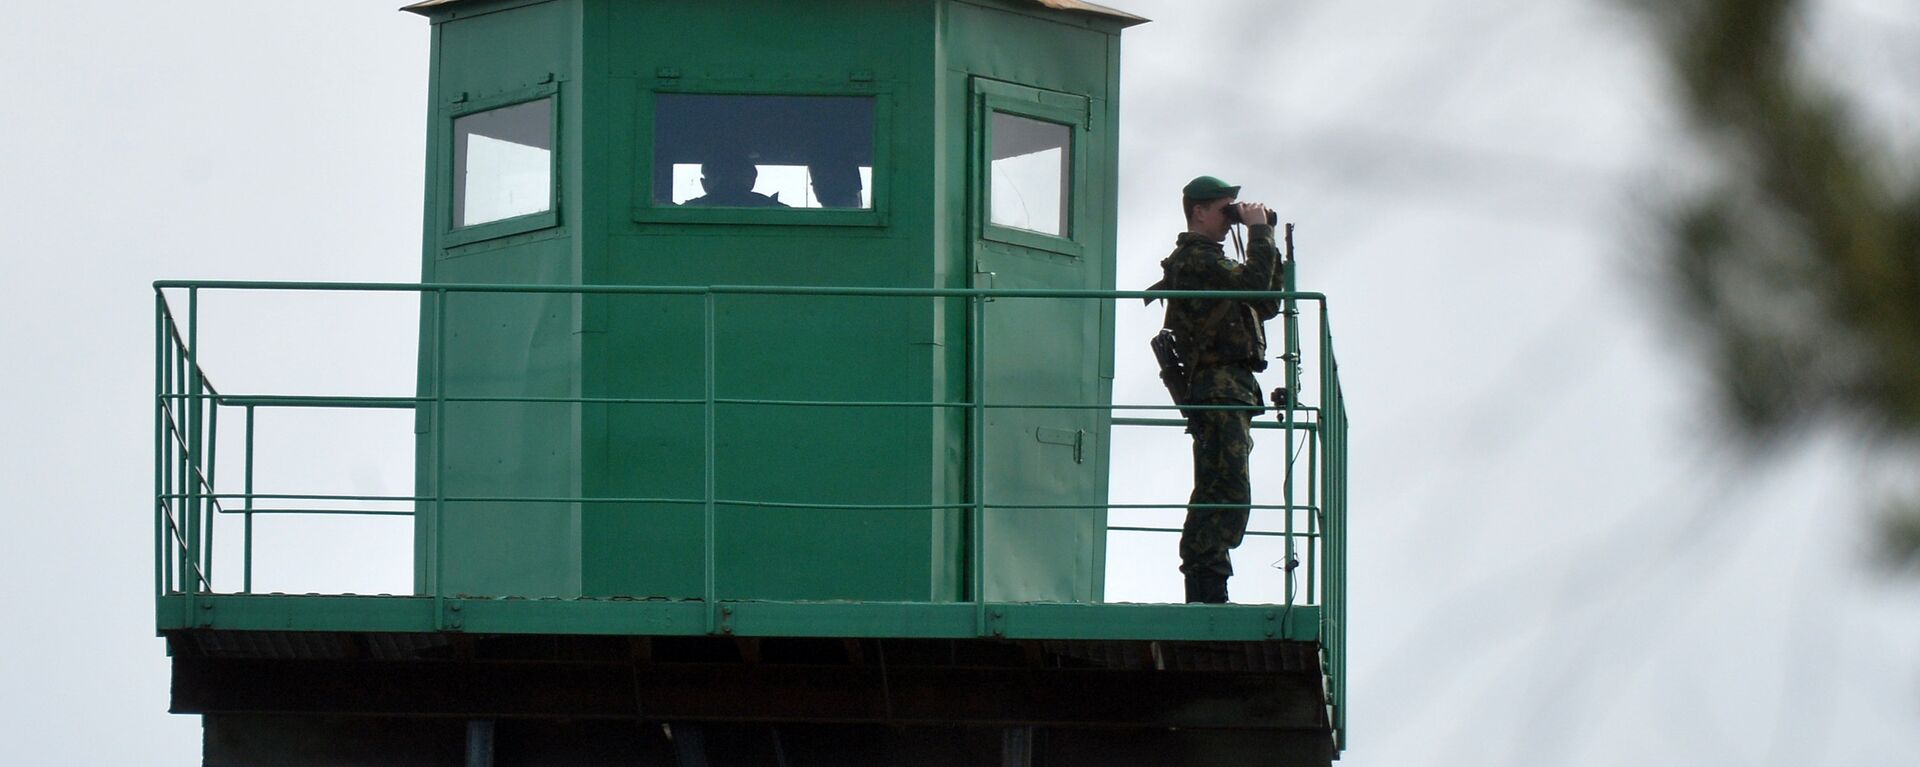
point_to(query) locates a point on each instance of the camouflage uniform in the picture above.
(1222, 343)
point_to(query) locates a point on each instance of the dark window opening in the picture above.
(763, 151)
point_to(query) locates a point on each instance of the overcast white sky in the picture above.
(1555, 559)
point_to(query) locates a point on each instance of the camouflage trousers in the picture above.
(1222, 440)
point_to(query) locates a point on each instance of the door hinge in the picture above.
(982, 279)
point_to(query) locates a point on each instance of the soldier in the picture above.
(1220, 344)
(728, 182)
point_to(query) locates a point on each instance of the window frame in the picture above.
(995, 97)
(454, 235)
(645, 210)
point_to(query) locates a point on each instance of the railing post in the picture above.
(709, 591)
(159, 442)
(191, 565)
(1290, 312)
(175, 461)
(1333, 612)
(977, 467)
(1316, 594)
(212, 517)
(1323, 513)
(246, 556)
(1340, 613)
(438, 528)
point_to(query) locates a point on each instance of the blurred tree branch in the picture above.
(1800, 264)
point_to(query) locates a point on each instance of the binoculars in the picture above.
(1234, 217)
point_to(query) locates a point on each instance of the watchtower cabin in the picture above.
(763, 417)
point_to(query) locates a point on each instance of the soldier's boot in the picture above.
(1207, 589)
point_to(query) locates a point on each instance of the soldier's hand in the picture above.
(1253, 213)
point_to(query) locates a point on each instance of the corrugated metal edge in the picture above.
(1058, 5)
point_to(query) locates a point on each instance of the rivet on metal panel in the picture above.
(726, 611)
(455, 607)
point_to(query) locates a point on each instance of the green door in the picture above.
(1029, 190)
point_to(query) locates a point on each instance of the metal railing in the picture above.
(186, 429)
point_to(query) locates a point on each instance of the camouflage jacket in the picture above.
(1221, 342)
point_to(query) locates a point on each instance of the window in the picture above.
(1029, 172)
(503, 163)
(753, 151)
(1028, 180)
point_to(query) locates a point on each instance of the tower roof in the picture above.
(1077, 6)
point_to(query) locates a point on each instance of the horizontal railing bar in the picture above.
(1085, 406)
(751, 504)
(997, 405)
(1011, 506)
(1150, 506)
(843, 506)
(308, 497)
(764, 290)
(289, 400)
(726, 502)
(1181, 422)
(1313, 410)
(301, 401)
(836, 403)
(1264, 533)
(323, 512)
(424, 498)
(401, 403)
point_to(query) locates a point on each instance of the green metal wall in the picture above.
(933, 68)
(505, 345)
(1011, 58)
(813, 348)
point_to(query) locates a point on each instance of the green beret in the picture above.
(1209, 188)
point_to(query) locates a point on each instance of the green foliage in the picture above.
(1800, 264)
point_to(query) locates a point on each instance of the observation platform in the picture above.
(957, 681)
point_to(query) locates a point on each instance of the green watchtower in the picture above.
(873, 144)
(763, 416)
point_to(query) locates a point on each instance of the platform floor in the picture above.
(659, 617)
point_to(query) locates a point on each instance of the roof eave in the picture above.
(425, 7)
(1125, 19)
